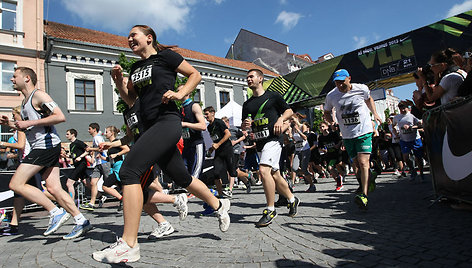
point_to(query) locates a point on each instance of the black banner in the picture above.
(448, 141)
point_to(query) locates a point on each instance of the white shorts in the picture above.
(270, 155)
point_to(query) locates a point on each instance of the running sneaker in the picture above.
(259, 182)
(361, 200)
(339, 188)
(282, 202)
(161, 230)
(9, 230)
(372, 178)
(267, 218)
(118, 252)
(339, 182)
(78, 230)
(101, 201)
(311, 189)
(87, 206)
(397, 173)
(228, 194)
(56, 221)
(293, 207)
(208, 211)
(223, 216)
(3, 214)
(181, 205)
(248, 186)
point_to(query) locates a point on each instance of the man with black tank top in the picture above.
(193, 123)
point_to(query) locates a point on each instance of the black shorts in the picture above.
(290, 148)
(79, 171)
(224, 163)
(236, 158)
(111, 180)
(315, 157)
(44, 157)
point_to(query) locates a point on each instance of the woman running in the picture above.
(152, 82)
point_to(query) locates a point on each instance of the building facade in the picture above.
(78, 65)
(21, 44)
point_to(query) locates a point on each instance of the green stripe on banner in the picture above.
(459, 21)
(468, 13)
(447, 29)
(292, 91)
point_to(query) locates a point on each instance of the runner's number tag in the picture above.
(142, 75)
(351, 119)
(264, 133)
(185, 133)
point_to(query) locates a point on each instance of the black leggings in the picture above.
(157, 145)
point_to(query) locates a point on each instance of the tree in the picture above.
(317, 119)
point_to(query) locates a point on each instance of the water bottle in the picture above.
(249, 129)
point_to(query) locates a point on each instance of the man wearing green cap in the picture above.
(353, 105)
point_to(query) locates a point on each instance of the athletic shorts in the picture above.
(44, 157)
(193, 156)
(224, 163)
(251, 161)
(111, 180)
(101, 170)
(236, 159)
(416, 146)
(270, 155)
(362, 144)
(79, 171)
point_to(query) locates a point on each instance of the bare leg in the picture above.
(18, 205)
(362, 161)
(70, 187)
(132, 208)
(153, 211)
(200, 190)
(93, 190)
(53, 184)
(112, 191)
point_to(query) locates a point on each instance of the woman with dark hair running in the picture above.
(151, 84)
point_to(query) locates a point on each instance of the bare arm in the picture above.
(279, 126)
(194, 78)
(19, 145)
(55, 117)
(371, 105)
(328, 116)
(200, 125)
(124, 85)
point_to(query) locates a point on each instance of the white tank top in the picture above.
(300, 143)
(25, 151)
(39, 137)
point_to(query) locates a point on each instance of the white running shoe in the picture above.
(118, 252)
(162, 229)
(223, 216)
(181, 201)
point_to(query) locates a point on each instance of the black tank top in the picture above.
(190, 136)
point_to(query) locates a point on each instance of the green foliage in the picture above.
(317, 119)
(126, 64)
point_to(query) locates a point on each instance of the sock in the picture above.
(219, 206)
(55, 211)
(272, 208)
(291, 200)
(163, 223)
(79, 219)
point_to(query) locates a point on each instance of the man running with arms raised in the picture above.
(353, 104)
(270, 111)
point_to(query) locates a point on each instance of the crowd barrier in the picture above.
(6, 195)
(448, 141)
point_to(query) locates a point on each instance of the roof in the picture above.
(69, 32)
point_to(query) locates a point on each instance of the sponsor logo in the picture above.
(456, 167)
(120, 253)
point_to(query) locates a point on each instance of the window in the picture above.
(84, 91)
(8, 15)
(224, 98)
(7, 68)
(196, 97)
(5, 133)
(85, 95)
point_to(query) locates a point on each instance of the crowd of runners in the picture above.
(163, 147)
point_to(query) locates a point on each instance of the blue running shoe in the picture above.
(78, 230)
(56, 221)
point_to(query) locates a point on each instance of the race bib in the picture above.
(330, 145)
(215, 138)
(407, 131)
(142, 75)
(351, 119)
(185, 133)
(132, 121)
(299, 145)
(264, 133)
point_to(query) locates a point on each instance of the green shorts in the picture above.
(362, 144)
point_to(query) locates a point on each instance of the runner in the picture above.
(330, 143)
(40, 113)
(78, 153)
(353, 103)
(270, 111)
(152, 79)
(223, 149)
(302, 152)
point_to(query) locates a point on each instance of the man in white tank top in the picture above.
(40, 113)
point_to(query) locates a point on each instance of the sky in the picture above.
(313, 27)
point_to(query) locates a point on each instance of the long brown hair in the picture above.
(155, 44)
